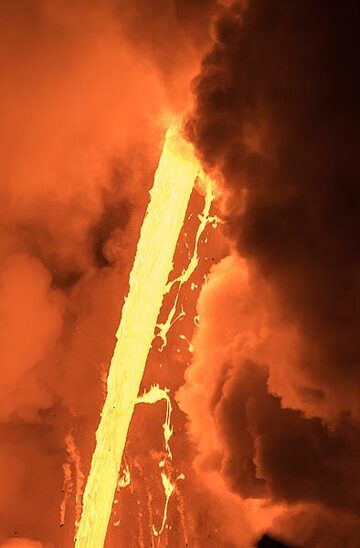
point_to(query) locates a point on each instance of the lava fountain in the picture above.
(148, 284)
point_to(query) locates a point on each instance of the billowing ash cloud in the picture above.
(276, 112)
(273, 393)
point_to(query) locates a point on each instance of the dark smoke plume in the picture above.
(276, 119)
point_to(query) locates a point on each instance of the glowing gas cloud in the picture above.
(164, 218)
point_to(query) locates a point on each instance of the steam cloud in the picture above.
(86, 93)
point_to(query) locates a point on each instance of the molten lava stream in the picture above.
(173, 183)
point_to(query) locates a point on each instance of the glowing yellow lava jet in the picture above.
(173, 183)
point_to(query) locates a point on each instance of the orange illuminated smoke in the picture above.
(173, 183)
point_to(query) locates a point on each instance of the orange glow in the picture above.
(74, 460)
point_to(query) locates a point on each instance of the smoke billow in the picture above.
(273, 393)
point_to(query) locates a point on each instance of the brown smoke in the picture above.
(273, 393)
